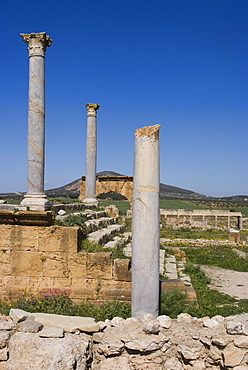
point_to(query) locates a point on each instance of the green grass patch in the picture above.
(74, 220)
(211, 302)
(63, 305)
(14, 201)
(178, 204)
(122, 205)
(174, 302)
(220, 256)
(243, 210)
(89, 247)
(64, 200)
(185, 233)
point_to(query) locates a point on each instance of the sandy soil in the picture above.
(233, 283)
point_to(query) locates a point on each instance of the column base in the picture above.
(90, 200)
(36, 202)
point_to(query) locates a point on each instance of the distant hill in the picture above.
(72, 189)
(166, 191)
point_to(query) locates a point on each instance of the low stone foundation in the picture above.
(47, 260)
(185, 343)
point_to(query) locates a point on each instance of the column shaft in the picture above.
(35, 197)
(91, 157)
(145, 223)
(91, 150)
(36, 125)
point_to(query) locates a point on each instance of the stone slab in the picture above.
(67, 323)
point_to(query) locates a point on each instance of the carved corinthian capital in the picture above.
(37, 43)
(91, 109)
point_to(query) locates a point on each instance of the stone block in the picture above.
(59, 239)
(17, 237)
(34, 218)
(25, 263)
(77, 265)
(112, 290)
(7, 217)
(29, 351)
(85, 288)
(67, 323)
(234, 237)
(38, 284)
(62, 283)
(79, 293)
(4, 262)
(51, 332)
(170, 284)
(232, 355)
(99, 265)
(14, 286)
(54, 265)
(122, 270)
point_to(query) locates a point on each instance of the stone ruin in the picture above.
(44, 256)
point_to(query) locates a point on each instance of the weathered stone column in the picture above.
(35, 197)
(90, 185)
(228, 222)
(216, 221)
(145, 223)
(240, 226)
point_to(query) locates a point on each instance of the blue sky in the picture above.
(180, 63)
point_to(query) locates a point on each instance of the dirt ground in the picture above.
(233, 283)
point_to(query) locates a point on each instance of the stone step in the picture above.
(127, 250)
(99, 223)
(88, 213)
(161, 261)
(171, 267)
(104, 235)
(119, 241)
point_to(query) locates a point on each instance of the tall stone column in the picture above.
(35, 198)
(90, 180)
(145, 223)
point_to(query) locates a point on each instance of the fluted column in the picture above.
(145, 223)
(91, 144)
(35, 198)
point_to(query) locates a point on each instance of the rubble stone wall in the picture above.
(185, 343)
(47, 260)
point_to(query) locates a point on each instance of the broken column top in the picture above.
(150, 131)
(37, 42)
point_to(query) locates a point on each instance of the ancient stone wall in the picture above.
(42, 260)
(104, 184)
(185, 343)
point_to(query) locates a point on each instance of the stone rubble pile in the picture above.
(43, 341)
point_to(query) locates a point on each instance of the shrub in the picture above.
(74, 220)
(173, 302)
(63, 305)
